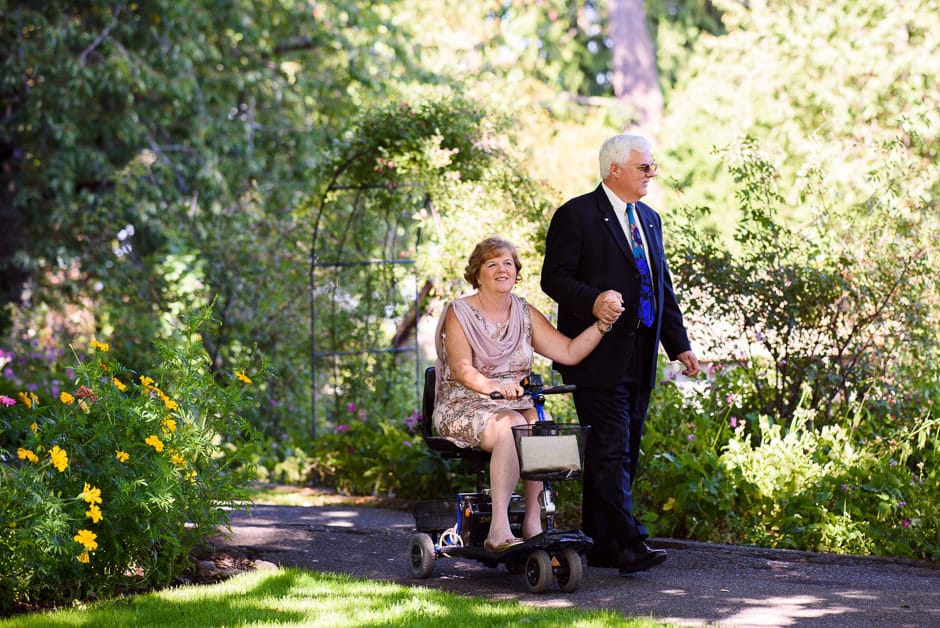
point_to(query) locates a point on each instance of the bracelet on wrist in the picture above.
(602, 328)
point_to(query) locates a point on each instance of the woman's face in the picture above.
(498, 273)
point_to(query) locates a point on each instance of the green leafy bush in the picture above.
(714, 471)
(368, 455)
(113, 483)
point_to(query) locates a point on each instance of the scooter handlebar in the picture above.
(549, 390)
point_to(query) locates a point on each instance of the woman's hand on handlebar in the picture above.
(504, 390)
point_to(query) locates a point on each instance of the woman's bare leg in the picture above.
(532, 523)
(497, 438)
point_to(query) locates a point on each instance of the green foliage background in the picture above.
(158, 157)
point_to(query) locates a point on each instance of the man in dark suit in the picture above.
(601, 262)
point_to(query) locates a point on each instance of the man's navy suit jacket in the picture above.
(586, 252)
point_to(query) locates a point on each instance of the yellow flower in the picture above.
(66, 398)
(26, 454)
(28, 399)
(178, 460)
(104, 367)
(154, 442)
(94, 513)
(169, 403)
(122, 456)
(83, 557)
(101, 346)
(33, 426)
(60, 460)
(91, 494)
(84, 406)
(169, 425)
(240, 375)
(118, 384)
(87, 538)
(146, 382)
(191, 476)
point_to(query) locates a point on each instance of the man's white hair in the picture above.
(617, 149)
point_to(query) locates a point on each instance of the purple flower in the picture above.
(342, 428)
(406, 443)
(7, 401)
(691, 437)
(350, 407)
(734, 421)
(70, 373)
(906, 523)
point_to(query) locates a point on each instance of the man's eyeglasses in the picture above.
(650, 169)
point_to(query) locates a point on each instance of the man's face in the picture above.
(630, 180)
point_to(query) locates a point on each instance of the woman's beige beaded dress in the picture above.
(501, 351)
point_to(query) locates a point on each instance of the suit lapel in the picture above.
(612, 223)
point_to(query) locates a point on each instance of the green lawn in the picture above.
(293, 597)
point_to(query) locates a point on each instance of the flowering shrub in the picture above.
(377, 456)
(116, 479)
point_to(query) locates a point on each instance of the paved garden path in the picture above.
(700, 584)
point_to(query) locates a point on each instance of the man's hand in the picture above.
(690, 362)
(608, 306)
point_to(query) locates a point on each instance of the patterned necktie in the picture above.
(646, 280)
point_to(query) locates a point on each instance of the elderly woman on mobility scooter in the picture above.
(485, 344)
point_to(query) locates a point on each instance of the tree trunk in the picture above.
(636, 80)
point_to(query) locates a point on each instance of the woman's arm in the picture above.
(556, 346)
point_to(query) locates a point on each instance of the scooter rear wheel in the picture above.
(421, 555)
(569, 571)
(538, 571)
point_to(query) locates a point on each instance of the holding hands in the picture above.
(608, 306)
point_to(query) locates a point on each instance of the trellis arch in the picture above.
(369, 224)
(362, 279)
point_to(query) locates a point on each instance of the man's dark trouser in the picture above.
(616, 417)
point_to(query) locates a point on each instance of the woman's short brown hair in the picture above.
(485, 250)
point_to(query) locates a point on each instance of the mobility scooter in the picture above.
(547, 451)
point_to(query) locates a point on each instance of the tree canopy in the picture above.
(160, 157)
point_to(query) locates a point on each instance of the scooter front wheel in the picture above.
(421, 555)
(538, 571)
(569, 570)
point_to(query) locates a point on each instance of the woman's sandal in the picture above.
(529, 537)
(499, 548)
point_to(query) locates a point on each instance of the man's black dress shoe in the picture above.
(638, 556)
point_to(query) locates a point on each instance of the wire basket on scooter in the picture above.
(550, 451)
